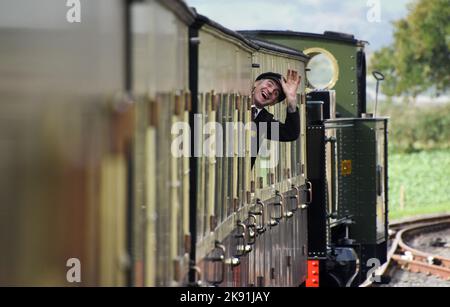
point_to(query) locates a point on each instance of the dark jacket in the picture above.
(288, 132)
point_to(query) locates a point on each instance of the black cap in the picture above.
(277, 79)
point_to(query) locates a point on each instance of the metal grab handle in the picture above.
(241, 248)
(274, 221)
(309, 188)
(261, 228)
(252, 229)
(281, 203)
(244, 230)
(221, 259)
(255, 219)
(290, 213)
(296, 197)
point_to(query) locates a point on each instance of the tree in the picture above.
(419, 58)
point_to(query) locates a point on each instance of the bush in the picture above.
(416, 128)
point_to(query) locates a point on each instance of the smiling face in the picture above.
(265, 93)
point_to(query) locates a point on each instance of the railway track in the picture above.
(405, 257)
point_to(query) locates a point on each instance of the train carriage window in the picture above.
(323, 69)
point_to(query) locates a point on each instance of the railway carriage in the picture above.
(64, 142)
(235, 240)
(160, 235)
(281, 253)
(89, 108)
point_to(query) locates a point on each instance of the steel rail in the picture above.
(410, 258)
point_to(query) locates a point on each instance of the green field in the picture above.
(425, 177)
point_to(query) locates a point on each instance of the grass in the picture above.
(417, 211)
(425, 179)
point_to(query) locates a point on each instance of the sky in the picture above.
(316, 16)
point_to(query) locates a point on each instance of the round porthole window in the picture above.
(323, 69)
